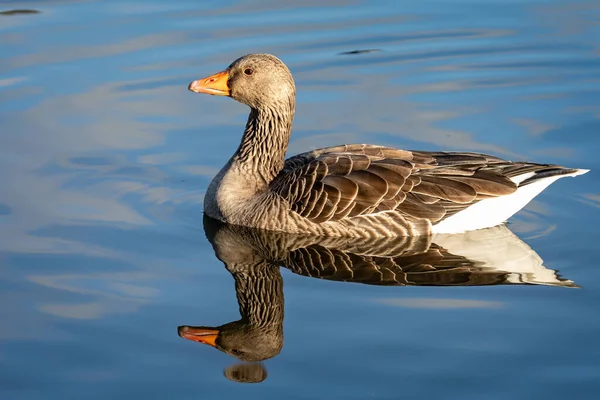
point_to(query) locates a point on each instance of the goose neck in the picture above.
(260, 295)
(265, 141)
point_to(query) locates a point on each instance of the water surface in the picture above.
(105, 157)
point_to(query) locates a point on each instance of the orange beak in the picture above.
(215, 84)
(198, 334)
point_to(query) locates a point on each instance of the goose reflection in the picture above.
(493, 256)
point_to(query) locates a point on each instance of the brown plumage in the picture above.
(346, 181)
(354, 190)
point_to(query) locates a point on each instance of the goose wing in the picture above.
(334, 183)
(436, 266)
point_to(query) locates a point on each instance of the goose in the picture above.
(352, 190)
(485, 257)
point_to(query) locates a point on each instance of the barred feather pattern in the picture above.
(261, 149)
(257, 284)
(383, 189)
(253, 257)
(403, 260)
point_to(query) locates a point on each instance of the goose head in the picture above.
(257, 80)
(237, 339)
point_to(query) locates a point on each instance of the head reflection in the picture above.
(246, 373)
(487, 257)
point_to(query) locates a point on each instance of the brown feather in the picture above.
(445, 188)
(339, 165)
(395, 181)
(330, 207)
(348, 190)
(401, 167)
(318, 207)
(488, 184)
(310, 202)
(413, 208)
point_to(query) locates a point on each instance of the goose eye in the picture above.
(248, 71)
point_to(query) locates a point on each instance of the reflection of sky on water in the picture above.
(105, 155)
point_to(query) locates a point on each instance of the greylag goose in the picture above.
(493, 256)
(354, 190)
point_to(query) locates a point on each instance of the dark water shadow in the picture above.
(8, 13)
(492, 256)
(356, 52)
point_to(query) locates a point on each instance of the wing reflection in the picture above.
(492, 256)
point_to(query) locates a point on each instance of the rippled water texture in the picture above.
(105, 157)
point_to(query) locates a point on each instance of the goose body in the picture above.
(355, 190)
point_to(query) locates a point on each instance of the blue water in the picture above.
(105, 157)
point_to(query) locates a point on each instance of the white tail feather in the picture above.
(499, 249)
(492, 212)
